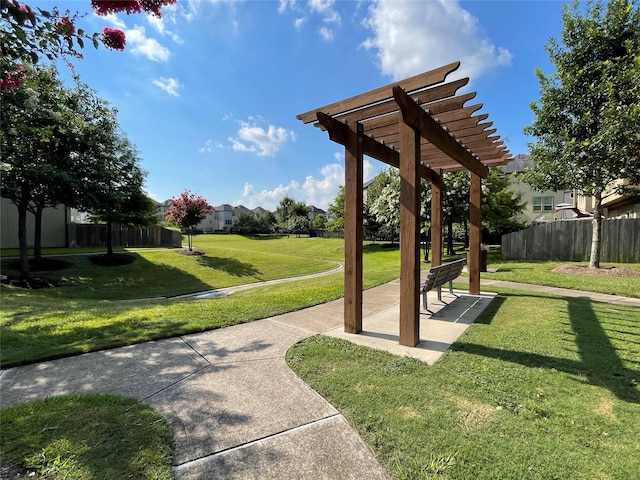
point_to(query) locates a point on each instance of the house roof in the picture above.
(519, 164)
(380, 111)
(314, 209)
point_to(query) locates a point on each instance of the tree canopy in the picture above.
(63, 145)
(187, 210)
(336, 211)
(292, 216)
(587, 120)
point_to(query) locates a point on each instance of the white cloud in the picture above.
(411, 37)
(137, 41)
(113, 19)
(159, 24)
(322, 8)
(140, 44)
(210, 146)
(254, 138)
(326, 33)
(268, 199)
(319, 191)
(169, 85)
(284, 5)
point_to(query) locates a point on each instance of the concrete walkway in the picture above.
(236, 408)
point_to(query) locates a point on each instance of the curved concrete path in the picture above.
(236, 408)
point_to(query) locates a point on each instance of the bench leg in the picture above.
(440, 294)
(451, 287)
(424, 299)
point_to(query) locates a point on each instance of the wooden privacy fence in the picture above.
(95, 235)
(570, 241)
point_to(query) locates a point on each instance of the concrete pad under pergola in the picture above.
(420, 126)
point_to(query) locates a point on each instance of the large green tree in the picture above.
(292, 216)
(587, 121)
(42, 149)
(382, 204)
(116, 188)
(455, 203)
(336, 211)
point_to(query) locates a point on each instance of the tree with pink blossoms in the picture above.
(27, 34)
(187, 211)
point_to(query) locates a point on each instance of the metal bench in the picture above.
(438, 276)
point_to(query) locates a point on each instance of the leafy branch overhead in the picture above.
(28, 34)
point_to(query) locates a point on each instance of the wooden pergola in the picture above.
(420, 126)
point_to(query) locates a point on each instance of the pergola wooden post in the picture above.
(353, 206)
(409, 236)
(475, 233)
(419, 126)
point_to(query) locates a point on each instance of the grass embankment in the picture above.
(49, 323)
(539, 387)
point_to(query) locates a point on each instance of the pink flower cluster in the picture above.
(12, 80)
(66, 26)
(105, 7)
(113, 38)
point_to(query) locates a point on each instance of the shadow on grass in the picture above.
(39, 342)
(487, 315)
(140, 279)
(264, 237)
(230, 265)
(377, 247)
(599, 361)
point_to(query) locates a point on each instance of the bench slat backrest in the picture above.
(441, 274)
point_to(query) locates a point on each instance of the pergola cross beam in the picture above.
(432, 131)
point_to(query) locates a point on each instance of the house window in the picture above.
(542, 204)
(228, 221)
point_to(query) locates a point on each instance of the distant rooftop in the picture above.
(519, 163)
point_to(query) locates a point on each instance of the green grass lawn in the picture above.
(541, 273)
(539, 387)
(86, 437)
(83, 316)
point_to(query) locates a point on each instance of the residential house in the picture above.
(535, 202)
(55, 223)
(223, 218)
(314, 212)
(614, 205)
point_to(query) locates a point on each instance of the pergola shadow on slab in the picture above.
(420, 126)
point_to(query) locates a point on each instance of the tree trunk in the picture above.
(596, 238)
(450, 250)
(466, 233)
(109, 239)
(22, 239)
(37, 233)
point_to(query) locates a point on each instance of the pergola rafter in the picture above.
(421, 126)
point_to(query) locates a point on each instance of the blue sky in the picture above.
(210, 93)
